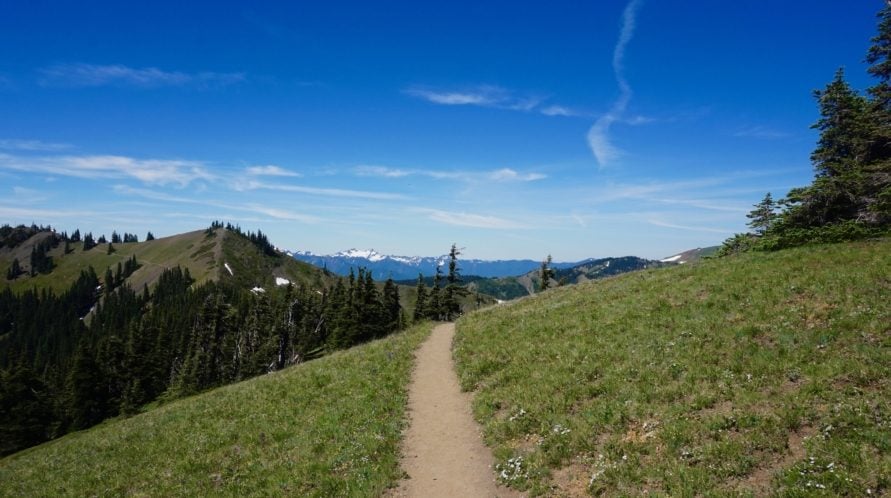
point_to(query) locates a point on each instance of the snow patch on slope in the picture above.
(282, 281)
(229, 268)
(671, 259)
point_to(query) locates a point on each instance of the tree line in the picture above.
(850, 196)
(101, 349)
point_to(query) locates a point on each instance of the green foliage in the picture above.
(545, 274)
(325, 428)
(15, 269)
(693, 380)
(850, 195)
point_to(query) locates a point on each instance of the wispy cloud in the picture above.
(493, 97)
(149, 171)
(31, 145)
(499, 175)
(473, 220)
(689, 228)
(761, 132)
(27, 215)
(484, 95)
(382, 171)
(271, 170)
(327, 192)
(509, 175)
(79, 74)
(281, 214)
(598, 136)
(559, 110)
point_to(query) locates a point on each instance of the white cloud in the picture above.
(381, 171)
(558, 110)
(598, 136)
(485, 96)
(31, 145)
(500, 175)
(689, 228)
(473, 220)
(27, 215)
(491, 96)
(281, 213)
(328, 192)
(270, 170)
(509, 175)
(760, 132)
(150, 171)
(92, 75)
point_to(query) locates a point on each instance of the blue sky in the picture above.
(577, 129)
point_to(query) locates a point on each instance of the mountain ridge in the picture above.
(399, 267)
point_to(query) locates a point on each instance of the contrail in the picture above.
(598, 139)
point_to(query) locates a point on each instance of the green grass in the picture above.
(330, 427)
(201, 254)
(753, 375)
(154, 256)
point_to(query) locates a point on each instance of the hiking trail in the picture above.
(443, 450)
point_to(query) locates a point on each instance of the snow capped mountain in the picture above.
(384, 266)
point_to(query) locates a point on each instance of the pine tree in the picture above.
(545, 274)
(149, 236)
(420, 312)
(435, 299)
(451, 305)
(115, 238)
(392, 308)
(15, 269)
(879, 169)
(110, 249)
(763, 216)
(89, 243)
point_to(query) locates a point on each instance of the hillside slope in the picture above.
(204, 254)
(753, 375)
(330, 427)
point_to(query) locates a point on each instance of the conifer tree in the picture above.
(545, 274)
(392, 308)
(15, 269)
(421, 305)
(451, 305)
(763, 216)
(149, 236)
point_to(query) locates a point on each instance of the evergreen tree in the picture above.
(420, 312)
(763, 216)
(545, 274)
(86, 399)
(26, 410)
(392, 308)
(15, 269)
(435, 299)
(879, 169)
(115, 238)
(110, 249)
(451, 305)
(149, 236)
(89, 243)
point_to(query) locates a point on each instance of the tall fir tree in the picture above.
(763, 216)
(420, 312)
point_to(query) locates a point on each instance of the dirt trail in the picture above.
(443, 451)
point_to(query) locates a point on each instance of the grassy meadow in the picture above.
(763, 374)
(329, 427)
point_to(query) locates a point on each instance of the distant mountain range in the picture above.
(384, 266)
